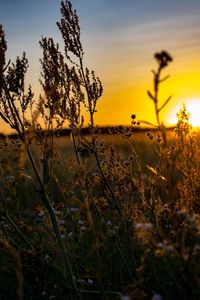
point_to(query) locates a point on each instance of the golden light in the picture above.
(193, 107)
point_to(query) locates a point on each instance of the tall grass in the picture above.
(86, 217)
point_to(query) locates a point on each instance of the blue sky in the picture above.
(119, 39)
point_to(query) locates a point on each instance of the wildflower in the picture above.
(101, 143)
(149, 135)
(41, 214)
(197, 248)
(81, 280)
(181, 213)
(125, 297)
(47, 258)
(57, 212)
(95, 174)
(80, 222)
(63, 236)
(74, 209)
(133, 116)
(131, 157)
(126, 163)
(10, 179)
(90, 281)
(117, 164)
(192, 218)
(156, 296)
(138, 226)
(166, 208)
(108, 223)
(165, 246)
(144, 226)
(147, 226)
(70, 235)
(83, 228)
(159, 139)
(163, 58)
(18, 143)
(103, 162)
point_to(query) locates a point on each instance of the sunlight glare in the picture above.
(193, 107)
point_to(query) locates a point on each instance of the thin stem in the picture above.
(88, 96)
(50, 209)
(7, 217)
(108, 186)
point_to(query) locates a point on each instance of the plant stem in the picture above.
(54, 222)
(7, 217)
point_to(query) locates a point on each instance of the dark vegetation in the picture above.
(88, 217)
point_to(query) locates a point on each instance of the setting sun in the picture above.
(193, 107)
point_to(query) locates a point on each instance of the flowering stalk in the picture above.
(163, 59)
(12, 88)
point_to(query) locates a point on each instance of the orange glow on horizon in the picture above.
(192, 107)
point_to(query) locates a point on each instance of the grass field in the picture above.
(133, 232)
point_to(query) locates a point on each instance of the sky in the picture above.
(119, 40)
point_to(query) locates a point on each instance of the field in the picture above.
(133, 231)
(93, 216)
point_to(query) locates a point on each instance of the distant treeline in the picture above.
(102, 130)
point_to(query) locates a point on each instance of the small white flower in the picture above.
(81, 280)
(169, 248)
(10, 179)
(101, 143)
(103, 162)
(70, 235)
(41, 214)
(147, 226)
(47, 258)
(73, 209)
(80, 222)
(83, 228)
(126, 163)
(18, 143)
(57, 212)
(144, 226)
(160, 245)
(138, 226)
(95, 174)
(90, 281)
(156, 296)
(108, 223)
(192, 218)
(125, 298)
(197, 248)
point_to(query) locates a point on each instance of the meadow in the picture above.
(93, 216)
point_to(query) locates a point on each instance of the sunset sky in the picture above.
(119, 39)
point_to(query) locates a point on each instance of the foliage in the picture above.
(102, 221)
